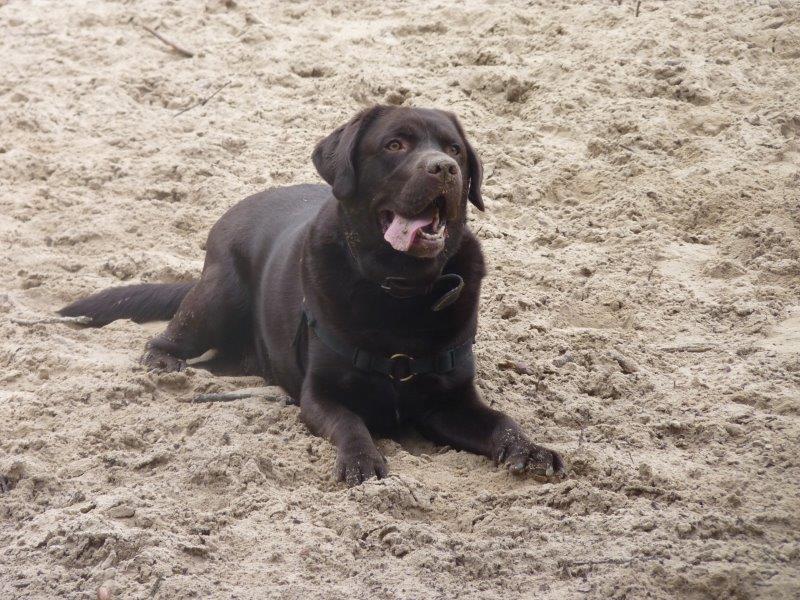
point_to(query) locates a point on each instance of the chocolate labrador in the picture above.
(359, 298)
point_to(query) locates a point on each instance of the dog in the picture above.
(359, 298)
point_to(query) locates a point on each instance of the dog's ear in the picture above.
(334, 155)
(475, 167)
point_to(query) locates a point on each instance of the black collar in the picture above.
(450, 284)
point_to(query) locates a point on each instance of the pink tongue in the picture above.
(402, 231)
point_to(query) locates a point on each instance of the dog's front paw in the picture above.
(523, 456)
(356, 466)
(161, 362)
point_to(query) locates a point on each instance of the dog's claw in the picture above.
(356, 468)
(161, 362)
(500, 456)
(523, 456)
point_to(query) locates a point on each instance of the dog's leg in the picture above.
(464, 422)
(233, 362)
(357, 458)
(211, 316)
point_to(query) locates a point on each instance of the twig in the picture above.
(699, 347)
(204, 101)
(608, 561)
(156, 586)
(638, 4)
(49, 320)
(271, 393)
(179, 49)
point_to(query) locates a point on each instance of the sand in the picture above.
(641, 311)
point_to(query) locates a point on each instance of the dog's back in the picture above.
(278, 214)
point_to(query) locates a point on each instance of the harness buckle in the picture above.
(400, 367)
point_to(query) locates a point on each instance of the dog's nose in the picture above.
(441, 165)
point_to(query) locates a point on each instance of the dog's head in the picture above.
(404, 176)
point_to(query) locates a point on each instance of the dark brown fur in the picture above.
(322, 244)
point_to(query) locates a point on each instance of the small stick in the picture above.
(609, 561)
(179, 49)
(49, 320)
(204, 101)
(689, 348)
(638, 4)
(156, 586)
(270, 393)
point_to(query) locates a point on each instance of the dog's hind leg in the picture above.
(235, 362)
(216, 313)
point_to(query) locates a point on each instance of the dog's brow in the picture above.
(443, 131)
(404, 132)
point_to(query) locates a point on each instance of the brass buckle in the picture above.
(394, 360)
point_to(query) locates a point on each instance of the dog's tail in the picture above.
(140, 303)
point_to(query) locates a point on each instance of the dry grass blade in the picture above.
(50, 320)
(177, 47)
(204, 100)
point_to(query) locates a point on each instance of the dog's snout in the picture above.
(441, 166)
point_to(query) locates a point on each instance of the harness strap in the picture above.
(400, 368)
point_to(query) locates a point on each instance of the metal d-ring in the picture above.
(408, 359)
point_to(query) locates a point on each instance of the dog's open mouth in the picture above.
(421, 235)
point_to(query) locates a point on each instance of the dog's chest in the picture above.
(384, 405)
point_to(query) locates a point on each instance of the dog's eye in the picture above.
(394, 146)
(454, 149)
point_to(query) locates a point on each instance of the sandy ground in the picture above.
(641, 313)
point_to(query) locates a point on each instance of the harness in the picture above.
(399, 367)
